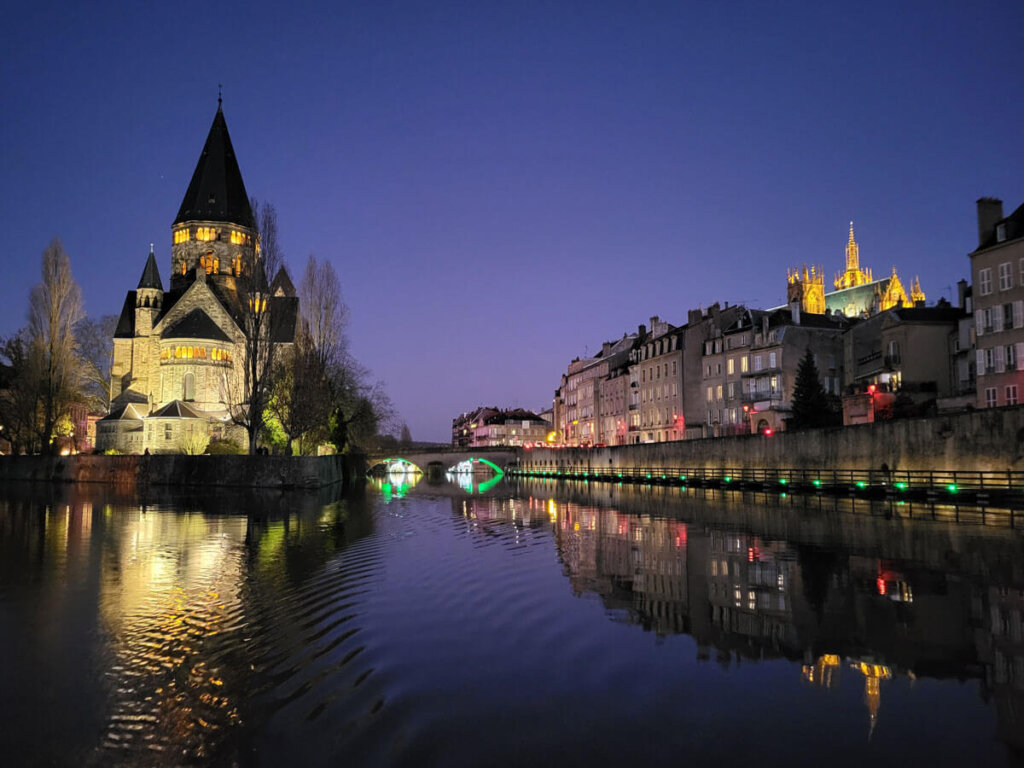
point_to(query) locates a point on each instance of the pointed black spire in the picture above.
(216, 192)
(151, 275)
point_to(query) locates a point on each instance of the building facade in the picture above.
(997, 274)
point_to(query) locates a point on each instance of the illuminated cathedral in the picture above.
(856, 291)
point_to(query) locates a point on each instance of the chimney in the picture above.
(990, 211)
(794, 310)
(961, 292)
(641, 330)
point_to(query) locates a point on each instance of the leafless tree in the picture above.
(300, 399)
(55, 306)
(324, 313)
(95, 339)
(261, 321)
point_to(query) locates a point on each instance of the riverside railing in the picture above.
(976, 486)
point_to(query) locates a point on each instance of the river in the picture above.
(513, 623)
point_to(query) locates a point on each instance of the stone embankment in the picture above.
(180, 470)
(990, 440)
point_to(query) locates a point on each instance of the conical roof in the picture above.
(217, 192)
(151, 275)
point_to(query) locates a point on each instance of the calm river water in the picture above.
(528, 623)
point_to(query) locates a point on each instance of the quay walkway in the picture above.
(949, 487)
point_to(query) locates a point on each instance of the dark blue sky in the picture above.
(502, 186)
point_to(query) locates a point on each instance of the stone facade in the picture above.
(179, 355)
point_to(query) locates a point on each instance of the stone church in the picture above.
(179, 354)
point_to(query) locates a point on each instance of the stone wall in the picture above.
(179, 470)
(984, 440)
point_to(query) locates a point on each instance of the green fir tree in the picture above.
(810, 402)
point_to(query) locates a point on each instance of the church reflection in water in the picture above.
(846, 592)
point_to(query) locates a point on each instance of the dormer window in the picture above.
(1000, 232)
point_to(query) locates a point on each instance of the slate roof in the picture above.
(285, 310)
(195, 325)
(282, 283)
(151, 275)
(217, 192)
(176, 409)
(1014, 228)
(126, 322)
(126, 412)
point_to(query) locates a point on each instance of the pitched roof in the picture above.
(151, 275)
(126, 412)
(1013, 229)
(176, 409)
(285, 311)
(195, 325)
(126, 322)
(216, 192)
(282, 284)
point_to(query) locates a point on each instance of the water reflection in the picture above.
(857, 593)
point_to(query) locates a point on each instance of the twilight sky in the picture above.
(503, 186)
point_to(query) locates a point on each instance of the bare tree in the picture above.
(324, 313)
(300, 399)
(261, 320)
(95, 339)
(55, 306)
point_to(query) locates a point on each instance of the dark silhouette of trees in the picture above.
(811, 404)
(95, 338)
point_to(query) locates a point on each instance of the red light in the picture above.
(768, 431)
(872, 389)
(881, 585)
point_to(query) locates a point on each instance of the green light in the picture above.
(783, 481)
(648, 477)
(620, 474)
(861, 484)
(901, 486)
(816, 483)
(683, 478)
(727, 479)
(952, 488)
(662, 477)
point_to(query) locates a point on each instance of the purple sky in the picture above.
(502, 186)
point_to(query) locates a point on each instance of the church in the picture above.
(179, 354)
(857, 293)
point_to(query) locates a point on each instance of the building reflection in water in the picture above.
(860, 593)
(177, 590)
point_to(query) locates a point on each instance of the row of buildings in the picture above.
(879, 350)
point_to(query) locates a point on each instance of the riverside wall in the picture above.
(181, 470)
(984, 440)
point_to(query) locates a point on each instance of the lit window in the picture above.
(744, 364)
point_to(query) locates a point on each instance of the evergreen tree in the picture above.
(810, 402)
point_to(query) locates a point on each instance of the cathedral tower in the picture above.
(214, 230)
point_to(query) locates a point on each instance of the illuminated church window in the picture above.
(189, 386)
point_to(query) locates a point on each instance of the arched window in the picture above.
(190, 386)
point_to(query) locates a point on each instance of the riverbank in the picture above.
(181, 470)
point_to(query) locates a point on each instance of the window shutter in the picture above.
(1018, 314)
(979, 322)
(980, 362)
(1000, 360)
(1019, 346)
(997, 321)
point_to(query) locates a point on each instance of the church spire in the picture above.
(852, 253)
(217, 192)
(150, 274)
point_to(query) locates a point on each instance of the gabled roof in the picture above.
(195, 325)
(126, 322)
(282, 284)
(151, 275)
(216, 192)
(176, 409)
(126, 412)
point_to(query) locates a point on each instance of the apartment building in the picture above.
(997, 276)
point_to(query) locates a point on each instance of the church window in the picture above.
(168, 432)
(1005, 276)
(183, 267)
(189, 387)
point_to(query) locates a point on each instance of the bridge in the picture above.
(443, 459)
